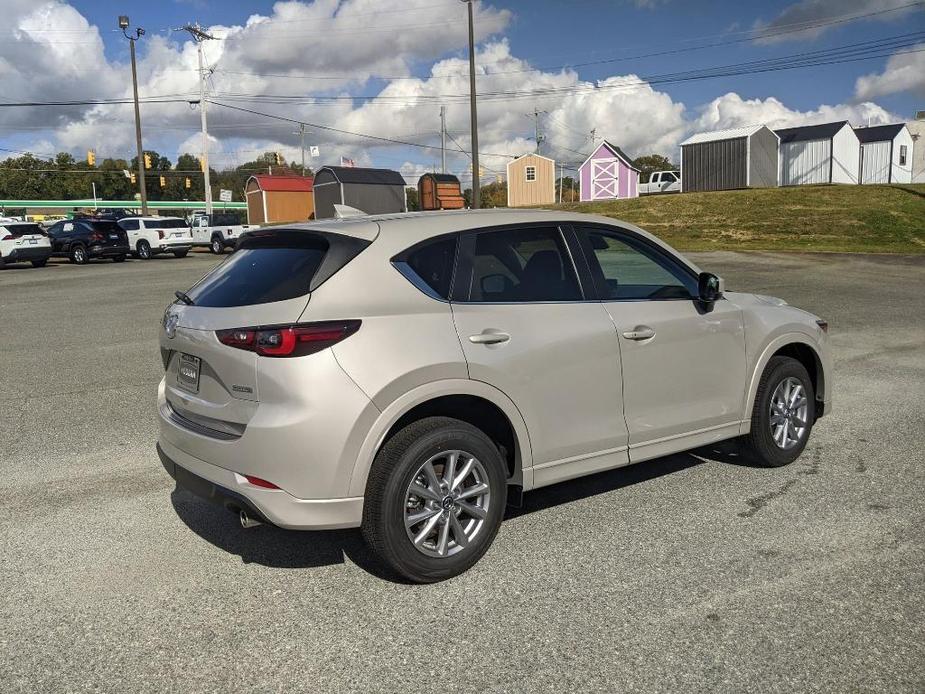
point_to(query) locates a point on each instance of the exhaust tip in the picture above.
(247, 521)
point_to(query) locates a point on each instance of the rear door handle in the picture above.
(640, 332)
(487, 338)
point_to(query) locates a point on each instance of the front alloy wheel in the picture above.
(218, 246)
(435, 498)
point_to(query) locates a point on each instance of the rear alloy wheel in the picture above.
(783, 415)
(79, 255)
(434, 499)
(218, 246)
(143, 250)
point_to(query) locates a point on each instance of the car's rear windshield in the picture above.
(17, 230)
(167, 224)
(275, 266)
(103, 226)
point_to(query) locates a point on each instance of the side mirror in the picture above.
(709, 287)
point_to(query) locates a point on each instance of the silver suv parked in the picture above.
(413, 374)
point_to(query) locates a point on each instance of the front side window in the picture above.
(522, 265)
(628, 270)
(531, 173)
(902, 155)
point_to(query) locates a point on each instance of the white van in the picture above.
(148, 236)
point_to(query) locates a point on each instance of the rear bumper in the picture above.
(25, 254)
(169, 245)
(107, 251)
(232, 491)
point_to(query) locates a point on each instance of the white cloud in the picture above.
(903, 72)
(815, 16)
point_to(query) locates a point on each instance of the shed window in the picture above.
(902, 155)
(530, 172)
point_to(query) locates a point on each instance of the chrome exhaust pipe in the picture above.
(247, 521)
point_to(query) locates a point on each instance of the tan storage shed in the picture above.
(531, 180)
(439, 191)
(277, 199)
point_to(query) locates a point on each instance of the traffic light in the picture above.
(188, 183)
(133, 177)
(163, 181)
(147, 160)
(91, 157)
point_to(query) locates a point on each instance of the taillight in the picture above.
(95, 236)
(288, 340)
(8, 237)
(258, 482)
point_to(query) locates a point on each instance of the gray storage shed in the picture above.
(729, 159)
(374, 191)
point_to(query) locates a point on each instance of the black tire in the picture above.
(759, 444)
(216, 245)
(143, 250)
(180, 254)
(78, 255)
(40, 263)
(118, 259)
(392, 472)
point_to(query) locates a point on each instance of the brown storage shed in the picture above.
(277, 199)
(439, 191)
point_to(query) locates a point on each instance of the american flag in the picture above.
(344, 161)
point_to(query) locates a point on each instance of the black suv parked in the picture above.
(83, 239)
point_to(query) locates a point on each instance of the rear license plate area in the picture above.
(188, 372)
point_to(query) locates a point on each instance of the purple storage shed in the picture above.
(608, 174)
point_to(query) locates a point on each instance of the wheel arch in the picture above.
(475, 402)
(802, 348)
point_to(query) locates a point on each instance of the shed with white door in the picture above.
(886, 153)
(608, 174)
(729, 159)
(824, 153)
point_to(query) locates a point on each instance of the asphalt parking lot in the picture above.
(688, 573)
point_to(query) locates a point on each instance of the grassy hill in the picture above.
(870, 219)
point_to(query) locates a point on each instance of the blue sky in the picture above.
(305, 39)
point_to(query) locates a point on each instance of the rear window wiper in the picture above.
(184, 297)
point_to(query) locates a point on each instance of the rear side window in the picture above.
(429, 266)
(225, 219)
(129, 224)
(275, 266)
(168, 224)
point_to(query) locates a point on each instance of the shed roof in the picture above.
(285, 183)
(878, 133)
(355, 174)
(441, 177)
(617, 152)
(727, 134)
(805, 133)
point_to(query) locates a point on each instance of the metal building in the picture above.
(274, 199)
(729, 159)
(374, 191)
(886, 153)
(917, 129)
(825, 153)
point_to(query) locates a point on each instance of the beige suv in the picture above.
(413, 374)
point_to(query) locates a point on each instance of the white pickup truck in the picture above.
(218, 231)
(661, 182)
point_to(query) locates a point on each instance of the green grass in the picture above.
(853, 219)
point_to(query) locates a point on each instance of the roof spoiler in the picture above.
(345, 212)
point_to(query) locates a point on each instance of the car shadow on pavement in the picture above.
(300, 549)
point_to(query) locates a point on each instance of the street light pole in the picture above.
(473, 112)
(139, 32)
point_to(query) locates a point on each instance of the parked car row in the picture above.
(106, 237)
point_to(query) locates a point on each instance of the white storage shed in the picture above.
(886, 153)
(825, 153)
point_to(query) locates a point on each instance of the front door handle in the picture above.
(489, 338)
(640, 332)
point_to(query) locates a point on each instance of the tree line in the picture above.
(28, 177)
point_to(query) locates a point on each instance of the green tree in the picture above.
(570, 191)
(650, 163)
(411, 198)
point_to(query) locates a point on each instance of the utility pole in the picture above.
(443, 139)
(536, 128)
(473, 112)
(199, 36)
(302, 144)
(561, 180)
(139, 32)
